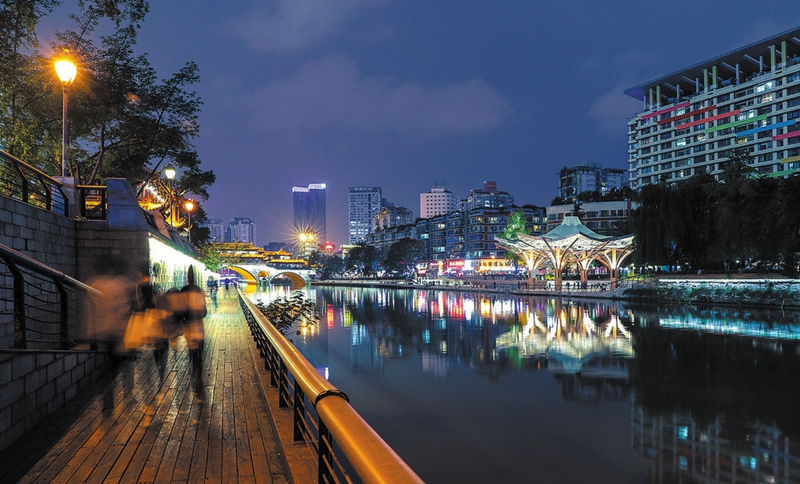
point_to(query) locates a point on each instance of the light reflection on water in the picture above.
(471, 387)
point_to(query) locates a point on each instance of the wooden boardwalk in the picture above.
(142, 426)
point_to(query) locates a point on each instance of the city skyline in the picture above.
(383, 93)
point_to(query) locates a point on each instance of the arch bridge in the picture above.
(260, 273)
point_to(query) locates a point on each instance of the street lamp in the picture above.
(169, 174)
(189, 206)
(66, 71)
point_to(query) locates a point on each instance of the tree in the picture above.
(327, 266)
(362, 260)
(284, 313)
(24, 100)
(517, 224)
(124, 121)
(402, 258)
(732, 195)
(213, 257)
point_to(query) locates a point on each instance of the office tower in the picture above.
(488, 197)
(438, 201)
(363, 203)
(241, 230)
(216, 230)
(589, 177)
(309, 210)
(691, 119)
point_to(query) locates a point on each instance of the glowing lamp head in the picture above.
(169, 172)
(189, 205)
(66, 71)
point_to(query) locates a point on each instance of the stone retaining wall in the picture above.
(33, 384)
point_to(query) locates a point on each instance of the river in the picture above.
(490, 388)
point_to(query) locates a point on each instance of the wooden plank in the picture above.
(142, 426)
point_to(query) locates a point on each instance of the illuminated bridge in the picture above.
(298, 273)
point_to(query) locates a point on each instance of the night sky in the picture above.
(404, 94)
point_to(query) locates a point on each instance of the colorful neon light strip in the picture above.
(790, 134)
(665, 110)
(711, 118)
(742, 134)
(686, 115)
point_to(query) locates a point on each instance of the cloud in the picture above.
(612, 110)
(292, 25)
(333, 93)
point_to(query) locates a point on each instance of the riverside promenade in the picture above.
(142, 425)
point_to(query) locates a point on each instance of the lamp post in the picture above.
(189, 206)
(66, 71)
(169, 174)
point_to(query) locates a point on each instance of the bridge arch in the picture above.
(253, 274)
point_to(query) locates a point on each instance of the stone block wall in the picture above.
(46, 236)
(33, 384)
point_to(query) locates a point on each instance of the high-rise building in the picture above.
(241, 230)
(309, 210)
(216, 230)
(363, 204)
(391, 216)
(588, 177)
(692, 119)
(438, 201)
(488, 197)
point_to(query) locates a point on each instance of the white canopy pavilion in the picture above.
(571, 242)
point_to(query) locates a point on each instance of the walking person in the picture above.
(146, 300)
(111, 309)
(194, 329)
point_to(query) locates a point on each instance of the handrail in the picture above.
(45, 302)
(369, 455)
(43, 269)
(28, 184)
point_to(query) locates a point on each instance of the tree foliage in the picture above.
(286, 312)
(363, 260)
(124, 121)
(517, 224)
(709, 224)
(401, 261)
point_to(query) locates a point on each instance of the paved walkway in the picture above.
(143, 426)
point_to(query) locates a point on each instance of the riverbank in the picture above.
(751, 290)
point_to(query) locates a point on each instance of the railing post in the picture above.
(299, 414)
(283, 385)
(20, 330)
(64, 315)
(324, 454)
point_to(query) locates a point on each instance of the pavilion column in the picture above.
(584, 276)
(614, 276)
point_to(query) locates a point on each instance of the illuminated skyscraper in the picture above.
(309, 209)
(363, 204)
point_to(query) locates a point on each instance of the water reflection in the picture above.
(710, 395)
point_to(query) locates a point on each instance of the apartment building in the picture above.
(691, 119)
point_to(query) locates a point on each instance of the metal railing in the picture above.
(347, 448)
(92, 201)
(43, 303)
(27, 184)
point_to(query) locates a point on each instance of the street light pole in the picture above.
(189, 207)
(66, 71)
(169, 174)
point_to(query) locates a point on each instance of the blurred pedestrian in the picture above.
(111, 309)
(146, 300)
(194, 329)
